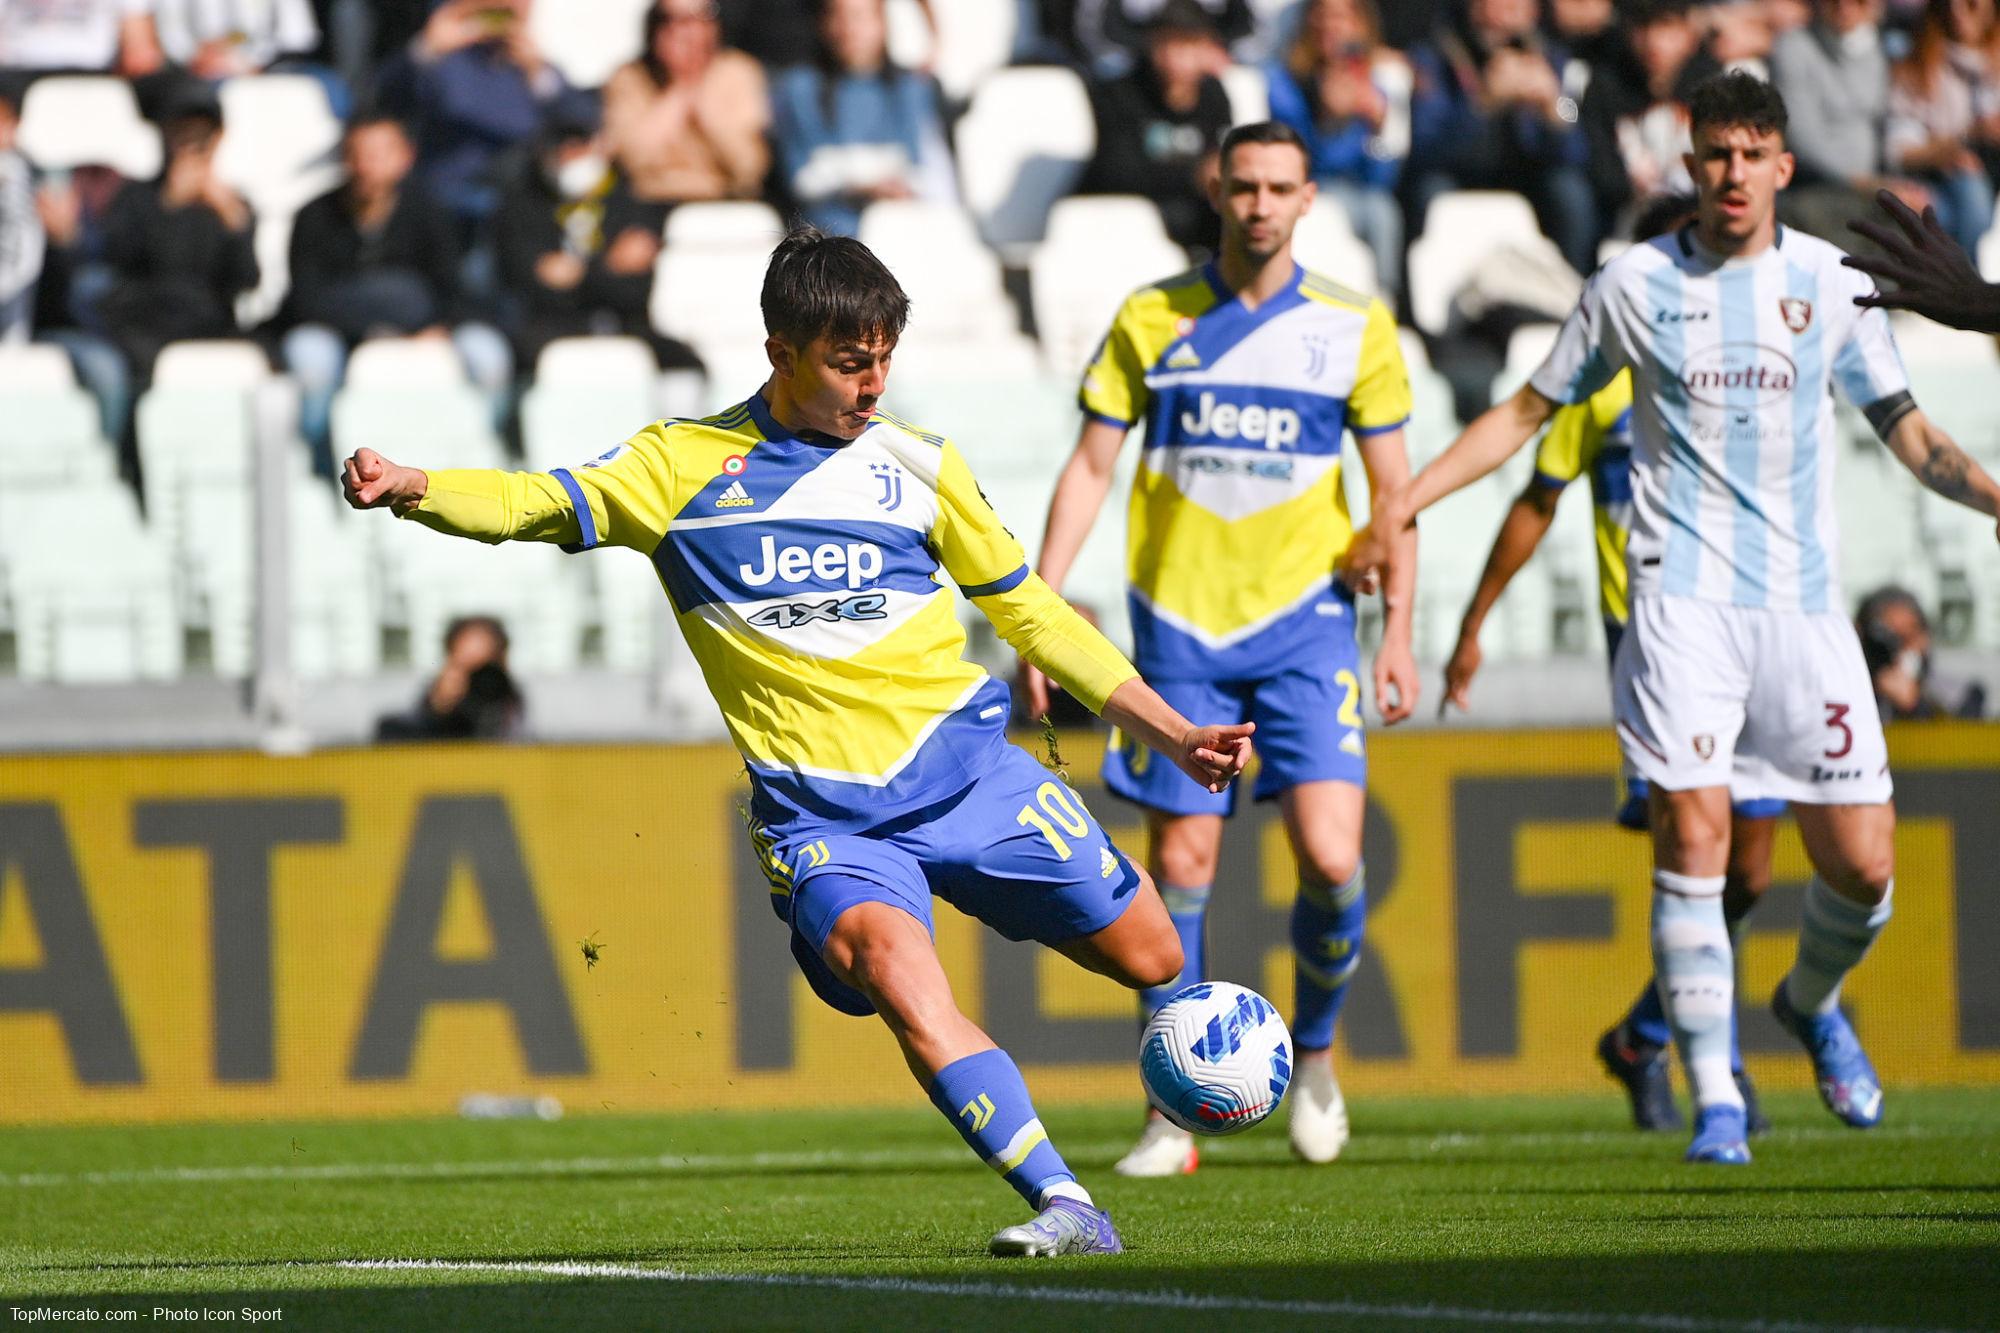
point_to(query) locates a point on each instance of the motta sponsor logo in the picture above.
(1739, 375)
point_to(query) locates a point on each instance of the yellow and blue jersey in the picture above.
(808, 576)
(1594, 438)
(1237, 513)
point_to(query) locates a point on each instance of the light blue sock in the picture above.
(1697, 978)
(1833, 937)
(1188, 909)
(985, 1097)
(1326, 948)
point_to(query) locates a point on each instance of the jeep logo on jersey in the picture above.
(791, 615)
(1273, 427)
(856, 562)
(1714, 375)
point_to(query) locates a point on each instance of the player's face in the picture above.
(833, 383)
(1737, 173)
(1263, 192)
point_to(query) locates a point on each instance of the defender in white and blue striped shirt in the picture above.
(1739, 667)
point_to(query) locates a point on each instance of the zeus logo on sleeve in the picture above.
(1273, 427)
(854, 562)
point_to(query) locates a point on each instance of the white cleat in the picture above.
(1319, 1113)
(1163, 1150)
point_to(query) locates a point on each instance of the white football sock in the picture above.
(1697, 980)
(1833, 938)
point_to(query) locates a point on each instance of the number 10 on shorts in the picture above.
(1056, 804)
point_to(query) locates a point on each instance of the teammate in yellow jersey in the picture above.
(1247, 373)
(1594, 439)
(804, 537)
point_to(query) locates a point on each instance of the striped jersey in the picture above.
(1594, 439)
(1237, 513)
(808, 577)
(1733, 427)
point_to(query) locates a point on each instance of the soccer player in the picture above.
(1248, 372)
(803, 537)
(1594, 438)
(1737, 660)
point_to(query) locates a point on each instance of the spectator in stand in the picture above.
(1489, 113)
(471, 86)
(1944, 114)
(1896, 644)
(1159, 126)
(1835, 80)
(376, 257)
(1348, 96)
(1638, 127)
(686, 120)
(214, 40)
(852, 128)
(781, 33)
(1115, 36)
(75, 209)
(21, 242)
(578, 250)
(179, 247)
(473, 696)
(1590, 31)
(78, 37)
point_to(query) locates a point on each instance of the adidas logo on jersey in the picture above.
(735, 497)
(1184, 358)
(1107, 864)
(1351, 743)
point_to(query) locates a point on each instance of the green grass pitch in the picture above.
(1442, 1214)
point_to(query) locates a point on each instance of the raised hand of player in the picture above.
(1459, 669)
(1933, 276)
(1215, 756)
(1396, 682)
(370, 481)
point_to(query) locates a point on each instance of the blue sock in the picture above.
(1189, 910)
(1326, 948)
(985, 1097)
(1648, 1019)
(1698, 980)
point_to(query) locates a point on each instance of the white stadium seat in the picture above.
(1100, 249)
(1527, 348)
(109, 618)
(705, 296)
(1462, 229)
(405, 363)
(1022, 145)
(954, 281)
(588, 39)
(280, 140)
(77, 121)
(1324, 242)
(443, 427)
(1249, 94)
(222, 363)
(974, 39)
(725, 225)
(35, 367)
(589, 362)
(52, 436)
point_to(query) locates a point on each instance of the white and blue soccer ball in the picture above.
(1216, 1058)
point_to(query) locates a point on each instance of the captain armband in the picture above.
(1884, 413)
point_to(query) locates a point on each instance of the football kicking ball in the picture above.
(1216, 1058)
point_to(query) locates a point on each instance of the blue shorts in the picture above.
(1632, 812)
(1016, 850)
(1308, 730)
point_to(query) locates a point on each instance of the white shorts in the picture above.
(1770, 704)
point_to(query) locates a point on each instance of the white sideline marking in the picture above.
(1168, 1300)
(774, 1161)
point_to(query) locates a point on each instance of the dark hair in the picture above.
(830, 285)
(374, 118)
(1736, 99)
(1661, 214)
(461, 624)
(1263, 131)
(656, 19)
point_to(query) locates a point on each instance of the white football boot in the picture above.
(1162, 1150)
(1319, 1113)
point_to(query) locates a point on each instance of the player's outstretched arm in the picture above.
(1396, 681)
(1493, 437)
(1940, 464)
(1527, 522)
(1212, 756)
(1079, 496)
(1932, 275)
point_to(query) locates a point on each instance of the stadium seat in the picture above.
(1955, 378)
(596, 361)
(912, 44)
(405, 363)
(953, 281)
(1021, 145)
(106, 619)
(35, 367)
(708, 296)
(1527, 348)
(430, 427)
(52, 436)
(564, 424)
(1100, 249)
(1249, 94)
(1461, 230)
(85, 120)
(273, 243)
(726, 225)
(427, 579)
(222, 363)
(1325, 242)
(974, 39)
(280, 141)
(587, 41)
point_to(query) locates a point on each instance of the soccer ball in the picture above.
(1216, 1058)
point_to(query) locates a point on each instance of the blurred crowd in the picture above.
(488, 202)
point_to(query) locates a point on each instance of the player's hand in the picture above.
(1932, 275)
(1036, 688)
(1362, 563)
(1215, 756)
(1396, 683)
(1459, 669)
(370, 481)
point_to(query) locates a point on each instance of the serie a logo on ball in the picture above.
(1216, 1058)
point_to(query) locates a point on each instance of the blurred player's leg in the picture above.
(1847, 904)
(888, 956)
(1323, 820)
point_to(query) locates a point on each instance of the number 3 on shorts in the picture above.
(1055, 802)
(1836, 720)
